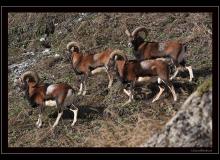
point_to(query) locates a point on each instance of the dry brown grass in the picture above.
(113, 125)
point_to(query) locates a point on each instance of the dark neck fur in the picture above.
(137, 42)
(29, 99)
(75, 66)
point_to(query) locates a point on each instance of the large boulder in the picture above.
(191, 126)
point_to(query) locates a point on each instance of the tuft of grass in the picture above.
(204, 87)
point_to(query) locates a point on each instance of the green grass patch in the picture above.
(204, 87)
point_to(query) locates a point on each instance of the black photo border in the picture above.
(138, 150)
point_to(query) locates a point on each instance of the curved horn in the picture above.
(72, 44)
(139, 29)
(118, 52)
(31, 74)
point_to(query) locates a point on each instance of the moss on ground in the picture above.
(204, 87)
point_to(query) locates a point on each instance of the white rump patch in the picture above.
(96, 56)
(51, 88)
(70, 93)
(50, 103)
(161, 46)
(146, 64)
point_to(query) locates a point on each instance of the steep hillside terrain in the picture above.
(103, 122)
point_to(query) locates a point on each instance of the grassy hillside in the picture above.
(111, 125)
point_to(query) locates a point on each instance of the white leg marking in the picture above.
(142, 79)
(57, 120)
(189, 68)
(127, 92)
(175, 73)
(97, 70)
(80, 89)
(110, 80)
(110, 83)
(75, 116)
(131, 97)
(173, 92)
(84, 92)
(159, 81)
(129, 101)
(158, 95)
(39, 121)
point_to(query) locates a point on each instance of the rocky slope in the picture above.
(191, 126)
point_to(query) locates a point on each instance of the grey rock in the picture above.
(190, 127)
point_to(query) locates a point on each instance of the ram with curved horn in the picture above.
(30, 76)
(139, 29)
(89, 64)
(134, 71)
(174, 50)
(42, 94)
